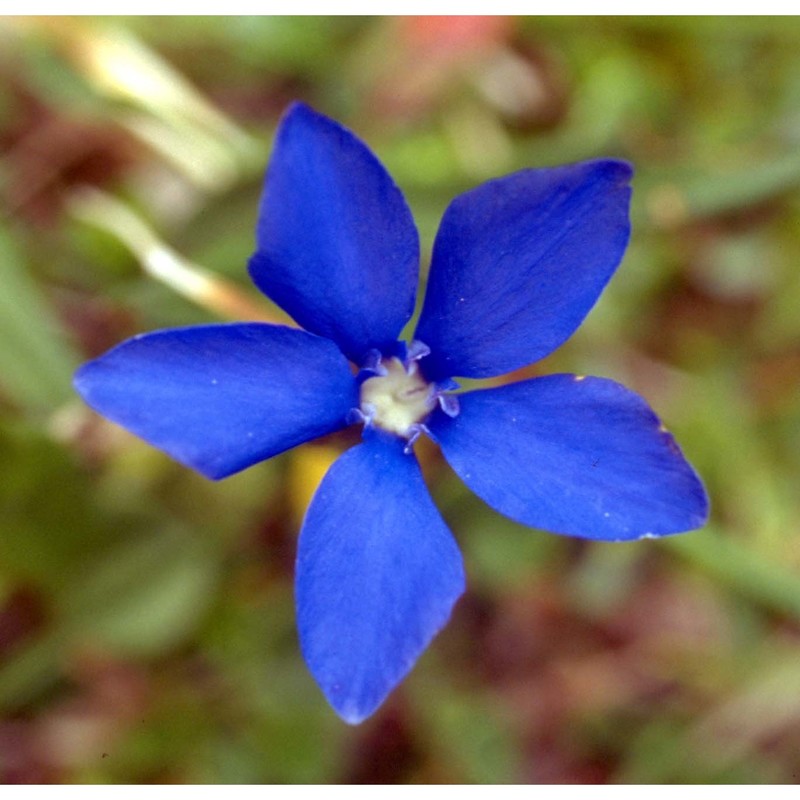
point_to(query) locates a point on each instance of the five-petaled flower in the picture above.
(517, 264)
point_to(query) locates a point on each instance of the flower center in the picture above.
(399, 400)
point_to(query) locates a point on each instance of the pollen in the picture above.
(399, 400)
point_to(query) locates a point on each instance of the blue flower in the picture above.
(517, 264)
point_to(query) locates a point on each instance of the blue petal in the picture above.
(219, 398)
(377, 575)
(336, 243)
(581, 456)
(518, 263)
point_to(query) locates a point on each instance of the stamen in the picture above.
(417, 350)
(372, 363)
(415, 432)
(356, 416)
(449, 404)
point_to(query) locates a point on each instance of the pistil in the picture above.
(398, 399)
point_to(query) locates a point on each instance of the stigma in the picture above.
(398, 399)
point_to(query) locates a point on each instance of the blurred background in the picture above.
(146, 615)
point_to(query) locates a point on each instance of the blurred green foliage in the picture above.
(146, 619)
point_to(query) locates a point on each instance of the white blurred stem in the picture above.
(161, 262)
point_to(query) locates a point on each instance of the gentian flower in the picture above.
(517, 264)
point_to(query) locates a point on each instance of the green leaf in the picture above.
(143, 596)
(36, 363)
(744, 569)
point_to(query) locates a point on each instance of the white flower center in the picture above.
(399, 400)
